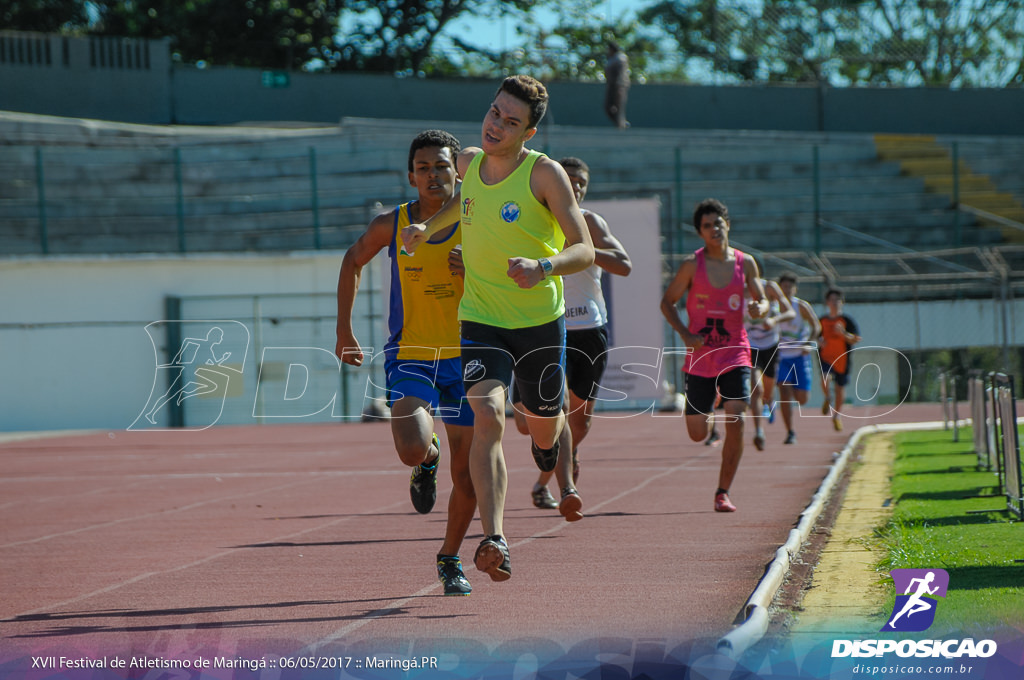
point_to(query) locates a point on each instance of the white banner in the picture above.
(636, 358)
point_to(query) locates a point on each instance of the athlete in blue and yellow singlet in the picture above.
(421, 356)
(424, 303)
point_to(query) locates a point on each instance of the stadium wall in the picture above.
(76, 354)
(136, 81)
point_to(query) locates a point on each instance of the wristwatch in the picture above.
(546, 265)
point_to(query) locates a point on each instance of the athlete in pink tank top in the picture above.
(716, 314)
(718, 363)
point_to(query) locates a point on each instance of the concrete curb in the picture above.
(755, 624)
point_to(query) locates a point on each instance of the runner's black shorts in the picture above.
(701, 392)
(765, 359)
(536, 356)
(586, 357)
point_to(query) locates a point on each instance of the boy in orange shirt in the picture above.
(838, 336)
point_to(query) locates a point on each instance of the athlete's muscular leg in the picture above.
(462, 502)
(412, 427)
(486, 458)
(732, 447)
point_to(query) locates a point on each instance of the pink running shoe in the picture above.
(723, 504)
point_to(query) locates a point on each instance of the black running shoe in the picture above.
(545, 459)
(449, 572)
(790, 438)
(492, 558)
(543, 499)
(571, 505)
(423, 483)
(714, 439)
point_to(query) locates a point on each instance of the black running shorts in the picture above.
(586, 357)
(733, 385)
(535, 354)
(765, 359)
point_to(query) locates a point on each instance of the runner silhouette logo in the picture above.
(916, 593)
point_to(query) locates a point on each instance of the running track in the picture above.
(293, 540)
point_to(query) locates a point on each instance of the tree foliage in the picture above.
(969, 43)
(882, 42)
(262, 33)
(966, 43)
(44, 16)
(399, 36)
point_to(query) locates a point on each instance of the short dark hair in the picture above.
(789, 276)
(433, 138)
(573, 162)
(834, 291)
(709, 206)
(530, 91)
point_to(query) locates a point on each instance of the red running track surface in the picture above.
(294, 539)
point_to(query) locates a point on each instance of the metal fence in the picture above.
(1008, 441)
(290, 371)
(997, 435)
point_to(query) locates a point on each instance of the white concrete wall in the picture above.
(893, 328)
(96, 370)
(938, 325)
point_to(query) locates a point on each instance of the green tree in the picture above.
(883, 42)
(931, 42)
(400, 36)
(576, 47)
(257, 33)
(44, 16)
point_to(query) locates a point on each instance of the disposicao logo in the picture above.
(913, 612)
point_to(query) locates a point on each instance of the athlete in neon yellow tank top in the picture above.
(524, 195)
(500, 219)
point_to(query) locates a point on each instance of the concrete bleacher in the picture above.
(982, 174)
(110, 188)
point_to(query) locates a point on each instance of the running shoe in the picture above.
(723, 504)
(837, 423)
(543, 499)
(575, 466)
(759, 440)
(492, 558)
(713, 439)
(449, 572)
(571, 505)
(825, 408)
(423, 482)
(545, 459)
(771, 413)
(790, 438)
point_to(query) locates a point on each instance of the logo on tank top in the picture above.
(467, 208)
(735, 301)
(510, 212)
(714, 333)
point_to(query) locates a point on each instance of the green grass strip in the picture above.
(950, 515)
